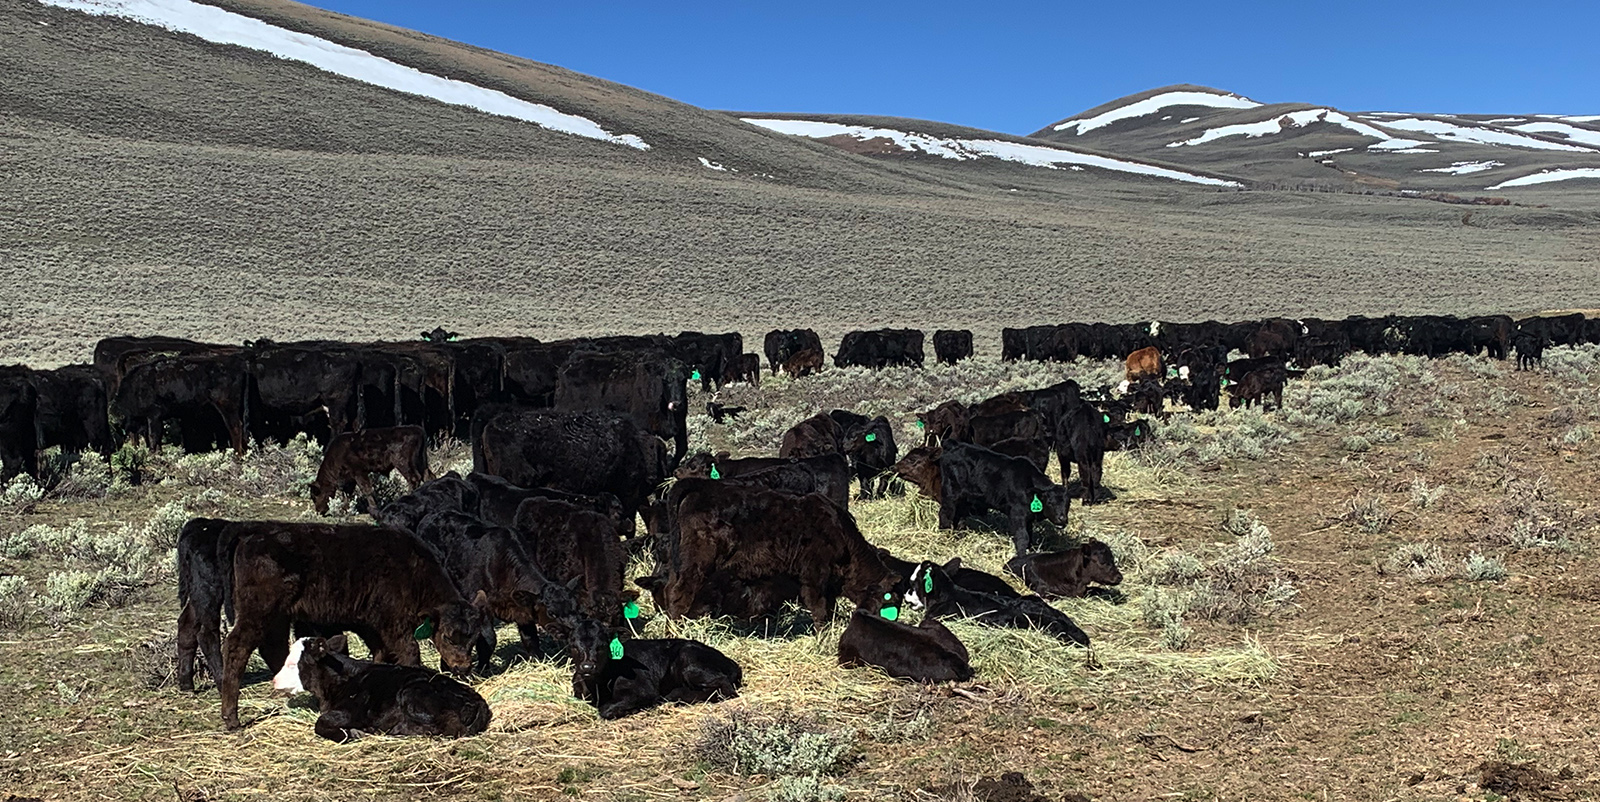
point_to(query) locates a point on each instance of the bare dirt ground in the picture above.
(1387, 673)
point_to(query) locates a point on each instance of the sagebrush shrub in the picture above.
(743, 742)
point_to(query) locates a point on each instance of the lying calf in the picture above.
(969, 578)
(359, 698)
(932, 587)
(925, 653)
(621, 678)
(1067, 574)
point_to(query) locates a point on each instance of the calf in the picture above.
(498, 501)
(1144, 363)
(448, 493)
(950, 347)
(358, 697)
(568, 542)
(925, 653)
(1530, 350)
(352, 457)
(828, 474)
(1256, 386)
(920, 467)
(969, 578)
(1130, 435)
(869, 444)
(948, 421)
(1067, 574)
(932, 587)
(1081, 440)
(804, 363)
(385, 585)
(974, 479)
(621, 678)
(746, 369)
(781, 345)
(814, 436)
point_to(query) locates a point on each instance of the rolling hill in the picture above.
(193, 174)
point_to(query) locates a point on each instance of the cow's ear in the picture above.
(481, 600)
(723, 456)
(572, 584)
(629, 595)
(953, 566)
(338, 644)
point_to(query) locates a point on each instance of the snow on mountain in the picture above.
(1464, 168)
(1479, 135)
(1549, 176)
(1155, 103)
(1571, 133)
(967, 149)
(1294, 119)
(225, 27)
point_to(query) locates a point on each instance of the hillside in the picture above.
(1298, 144)
(159, 182)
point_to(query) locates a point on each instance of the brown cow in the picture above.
(1145, 363)
(352, 458)
(813, 437)
(920, 467)
(804, 363)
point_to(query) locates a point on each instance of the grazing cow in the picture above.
(720, 413)
(567, 542)
(586, 453)
(880, 348)
(969, 578)
(448, 493)
(974, 479)
(1256, 385)
(359, 697)
(869, 443)
(1144, 363)
(950, 347)
(286, 573)
(352, 458)
(780, 345)
(200, 391)
(920, 467)
(948, 421)
(622, 677)
(296, 381)
(828, 474)
(1530, 349)
(646, 386)
(928, 652)
(813, 437)
(765, 547)
(70, 410)
(804, 363)
(1080, 439)
(1067, 574)
(746, 369)
(932, 588)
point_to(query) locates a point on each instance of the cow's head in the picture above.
(1052, 504)
(455, 626)
(323, 665)
(320, 494)
(928, 581)
(559, 611)
(591, 646)
(1099, 564)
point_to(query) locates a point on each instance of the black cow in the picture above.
(880, 348)
(827, 474)
(1080, 439)
(928, 652)
(71, 410)
(1256, 385)
(359, 697)
(763, 547)
(869, 444)
(586, 453)
(204, 392)
(647, 387)
(498, 501)
(291, 382)
(782, 344)
(950, 347)
(817, 435)
(1067, 574)
(931, 587)
(623, 677)
(714, 356)
(1530, 349)
(969, 578)
(567, 542)
(285, 573)
(19, 400)
(448, 493)
(351, 459)
(974, 479)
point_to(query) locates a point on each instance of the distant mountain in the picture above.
(1299, 144)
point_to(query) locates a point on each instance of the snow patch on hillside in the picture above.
(1482, 136)
(1571, 133)
(967, 149)
(1294, 119)
(225, 27)
(1548, 176)
(1464, 168)
(1155, 103)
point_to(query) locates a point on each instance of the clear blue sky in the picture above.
(1016, 67)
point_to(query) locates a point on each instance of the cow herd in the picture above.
(575, 442)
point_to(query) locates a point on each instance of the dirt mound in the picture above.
(1013, 787)
(1519, 780)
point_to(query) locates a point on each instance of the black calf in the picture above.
(1067, 574)
(925, 653)
(358, 697)
(931, 586)
(624, 677)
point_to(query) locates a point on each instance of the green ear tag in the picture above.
(921, 425)
(1136, 431)
(1037, 505)
(695, 376)
(425, 631)
(715, 474)
(616, 648)
(890, 613)
(1105, 418)
(927, 583)
(872, 438)
(630, 611)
